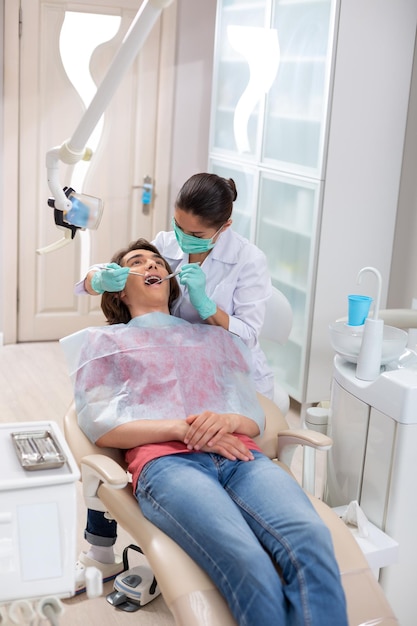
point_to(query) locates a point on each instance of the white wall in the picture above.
(194, 62)
(403, 278)
(1, 163)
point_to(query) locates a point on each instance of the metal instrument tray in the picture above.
(38, 449)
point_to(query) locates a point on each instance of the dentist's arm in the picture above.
(102, 277)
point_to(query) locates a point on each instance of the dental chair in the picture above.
(188, 592)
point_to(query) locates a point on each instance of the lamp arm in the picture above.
(73, 149)
(52, 167)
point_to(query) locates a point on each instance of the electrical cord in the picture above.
(50, 608)
(49, 612)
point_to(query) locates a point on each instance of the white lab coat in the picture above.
(238, 281)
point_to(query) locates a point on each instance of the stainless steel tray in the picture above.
(38, 449)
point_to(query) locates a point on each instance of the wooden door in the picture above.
(65, 50)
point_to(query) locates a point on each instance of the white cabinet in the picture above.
(308, 117)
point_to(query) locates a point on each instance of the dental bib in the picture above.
(157, 367)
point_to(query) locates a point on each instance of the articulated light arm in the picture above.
(74, 150)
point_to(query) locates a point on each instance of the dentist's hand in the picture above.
(193, 277)
(113, 278)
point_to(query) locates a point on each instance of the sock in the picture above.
(102, 554)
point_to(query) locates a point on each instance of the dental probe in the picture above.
(169, 276)
(161, 280)
(173, 274)
(130, 272)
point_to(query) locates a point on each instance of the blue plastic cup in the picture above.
(358, 309)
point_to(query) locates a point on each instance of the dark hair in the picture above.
(208, 196)
(114, 309)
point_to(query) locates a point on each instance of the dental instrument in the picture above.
(74, 149)
(161, 280)
(130, 271)
(157, 282)
(175, 273)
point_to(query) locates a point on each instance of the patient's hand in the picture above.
(208, 428)
(231, 448)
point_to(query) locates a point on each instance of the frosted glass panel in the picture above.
(285, 231)
(286, 211)
(239, 64)
(297, 102)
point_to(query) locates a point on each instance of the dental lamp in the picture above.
(71, 210)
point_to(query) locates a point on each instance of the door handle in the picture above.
(147, 193)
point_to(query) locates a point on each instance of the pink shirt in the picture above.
(136, 458)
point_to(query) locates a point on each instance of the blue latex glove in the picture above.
(193, 277)
(111, 279)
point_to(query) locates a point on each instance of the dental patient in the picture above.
(179, 398)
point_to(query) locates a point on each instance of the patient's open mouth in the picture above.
(152, 280)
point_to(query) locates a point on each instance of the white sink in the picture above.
(346, 340)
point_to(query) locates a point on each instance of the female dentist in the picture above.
(224, 278)
(224, 281)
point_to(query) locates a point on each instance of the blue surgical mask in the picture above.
(191, 244)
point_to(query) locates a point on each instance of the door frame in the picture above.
(9, 196)
(9, 210)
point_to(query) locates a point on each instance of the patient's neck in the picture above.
(140, 309)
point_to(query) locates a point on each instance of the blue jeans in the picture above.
(240, 521)
(100, 531)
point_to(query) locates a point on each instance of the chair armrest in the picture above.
(95, 470)
(289, 439)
